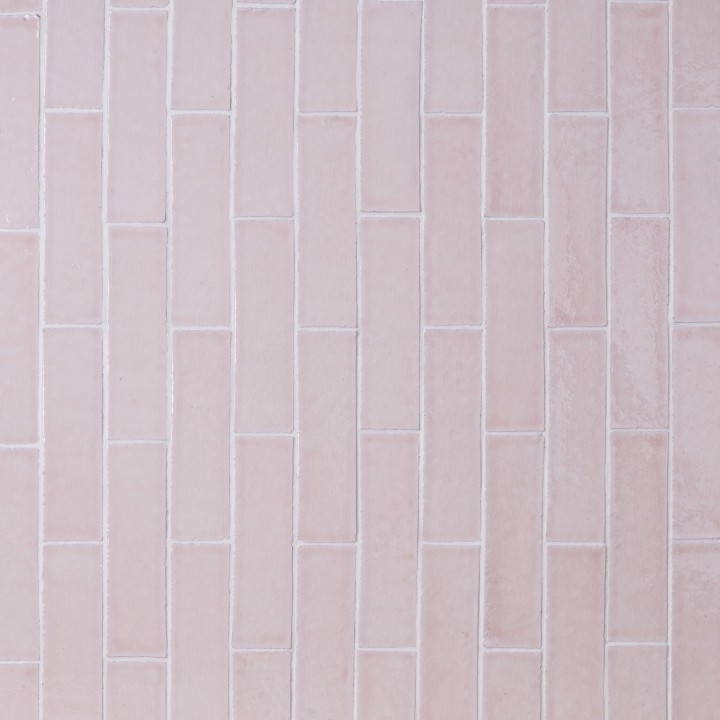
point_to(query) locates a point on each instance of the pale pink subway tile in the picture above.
(135, 690)
(390, 323)
(453, 221)
(327, 242)
(513, 545)
(638, 322)
(73, 219)
(201, 438)
(697, 215)
(19, 613)
(20, 5)
(637, 551)
(638, 103)
(73, 422)
(72, 662)
(263, 542)
(19, 337)
(575, 644)
(637, 683)
(325, 632)
(511, 686)
(201, 55)
(576, 436)
(577, 55)
(199, 640)
(514, 174)
(453, 402)
(327, 436)
(139, 3)
(696, 432)
(390, 123)
(19, 119)
(200, 223)
(264, 112)
(577, 178)
(261, 686)
(136, 571)
(19, 691)
(453, 32)
(75, 46)
(695, 630)
(264, 324)
(386, 685)
(449, 633)
(389, 514)
(137, 322)
(328, 55)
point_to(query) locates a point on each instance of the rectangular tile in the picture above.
(201, 437)
(19, 691)
(263, 542)
(137, 121)
(73, 419)
(452, 409)
(511, 686)
(261, 686)
(637, 683)
(389, 124)
(386, 685)
(390, 331)
(135, 690)
(264, 340)
(453, 221)
(20, 5)
(389, 526)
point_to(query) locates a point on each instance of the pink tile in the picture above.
(453, 31)
(696, 52)
(577, 55)
(201, 55)
(453, 222)
(697, 215)
(639, 322)
(449, 633)
(515, 53)
(19, 115)
(74, 60)
(637, 683)
(637, 561)
(389, 526)
(137, 365)
(513, 545)
(20, 5)
(511, 686)
(72, 632)
(19, 691)
(576, 439)
(327, 436)
(264, 112)
(199, 639)
(19, 615)
(261, 686)
(73, 218)
(73, 413)
(515, 338)
(696, 433)
(328, 55)
(389, 125)
(386, 686)
(577, 179)
(638, 118)
(139, 3)
(200, 436)
(327, 242)
(390, 332)
(695, 629)
(575, 653)
(453, 401)
(265, 334)
(263, 542)
(137, 154)
(136, 556)
(200, 220)
(325, 632)
(19, 337)
(136, 690)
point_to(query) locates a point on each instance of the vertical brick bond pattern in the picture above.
(359, 359)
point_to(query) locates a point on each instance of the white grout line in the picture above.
(696, 541)
(452, 543)
(65, 543)
(572, 543)
(198, 328)
(73, 326)
(452, 328)
(511, 650)
(73, 111)
(633, 643)
(387, 649)
(25, 446)
(305, 328)
(136, 658)
(388, 431)
(21, 662)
